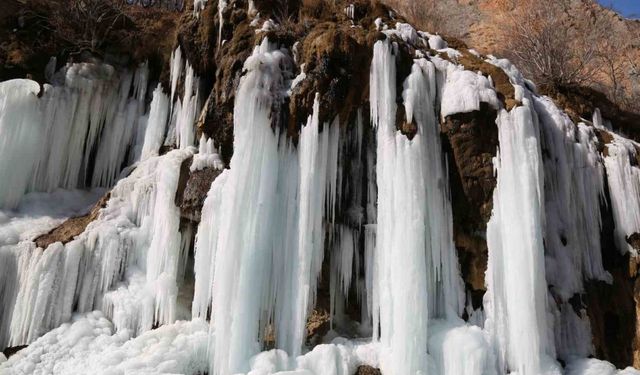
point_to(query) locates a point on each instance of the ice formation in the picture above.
(49, 141)
(366, 205)
(516, 288)
(415, 271)
(624, 187)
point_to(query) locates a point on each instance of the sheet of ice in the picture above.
(90, 345)
(20, 136)
(572, 331)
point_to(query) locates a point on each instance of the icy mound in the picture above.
(89, 344)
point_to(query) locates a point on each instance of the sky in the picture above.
(627, 8)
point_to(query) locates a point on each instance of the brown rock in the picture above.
(613, 308)
(471, 141)
(8, 352)
(192, 190)
(367, 370)
(72, 227)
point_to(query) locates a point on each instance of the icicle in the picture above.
(185, 125)
(156, 125)
(175, 72)
(207, 156)
(624, 190)
(163, 258)
(244, 247)
(415, 263)
(206, 245)
(20, 132)
(574, 180)
(516, 299)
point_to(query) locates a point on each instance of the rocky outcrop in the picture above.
(72, 227)
(191, 196)
(471, 141)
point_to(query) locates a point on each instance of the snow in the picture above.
(460, 349)
(89, 345)
(464, 91)
(596, 367)
(38, 213)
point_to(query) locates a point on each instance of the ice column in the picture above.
(415, 271)
(516, 299)
(244, 246)
(20, 134)
(624, 189)
(156, 124)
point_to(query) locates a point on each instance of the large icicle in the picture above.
(20, 134)
(516, 299)
(317, 164)
(624, 190)
(265, 276)
(574, 179)
(156, 124)
(244, 247)
(416, 272)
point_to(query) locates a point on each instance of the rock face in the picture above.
(472, 140)
(190, 196)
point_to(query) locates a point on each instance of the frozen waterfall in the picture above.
(316, 253)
